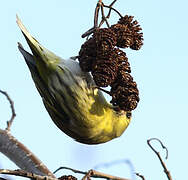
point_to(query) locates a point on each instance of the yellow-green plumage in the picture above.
(75, 106)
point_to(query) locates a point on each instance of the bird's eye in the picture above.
(129, 115)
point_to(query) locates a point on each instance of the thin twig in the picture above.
(164, 147)
(87, 33)
(9, 123)
(113, 10)
(96, 15)
(87, 175)
(92, 173)
(141, 176)
(109, 12)
(100, 5)
(159, 156)
(105, 91)
(117, 162)
(22, 173)
(103, 17)
(67, 168)
(108, 16)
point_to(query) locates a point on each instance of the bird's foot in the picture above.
(74, 57)
(104, 90)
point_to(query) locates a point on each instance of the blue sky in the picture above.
(159, 68)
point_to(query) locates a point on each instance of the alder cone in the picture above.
(69, 177)
(105, 40)
(124, 92)
(104, 69)
(128, 33)
(87, 55)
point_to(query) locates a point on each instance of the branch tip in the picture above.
(28, 175)
(92, 173)
(9, 123)
(141, 176)
(159, 156)
(162, 145)
(100, 6)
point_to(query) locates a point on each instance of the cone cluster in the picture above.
(109, 65)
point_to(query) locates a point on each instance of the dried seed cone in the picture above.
(69, 177)
(126, 20)
(109, 65)
(124, 92)
(124, 35)
(123, 64)
(87, 54)
(128, 33)
(101, 43)
(138, 41)
(104, 69)
(105, 39)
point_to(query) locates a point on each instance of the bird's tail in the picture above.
(45, 61)
(40, 53)
(32, 42)
(29, 59)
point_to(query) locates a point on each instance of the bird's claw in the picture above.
(74, 57)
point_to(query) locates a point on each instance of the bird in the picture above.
(70, 96)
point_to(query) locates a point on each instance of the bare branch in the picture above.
(141, 176)
(159, 156)
(100, 5)
(23, 173)
(92, 173)
(87, 175)
(113, 10)
(21, 155)
(96, 15)
(117, 162)
(164, 147)
(108, 16)
(87, 33)
(16, 151)
(105, 91)
(103, 17)
(109, 13)
(9, 123)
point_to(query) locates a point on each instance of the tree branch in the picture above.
(141, 176)
(21, 155)
(23, 173)
(92, 173)
(100, 6)
(159, 156)
(9, 123)
(17, 152)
